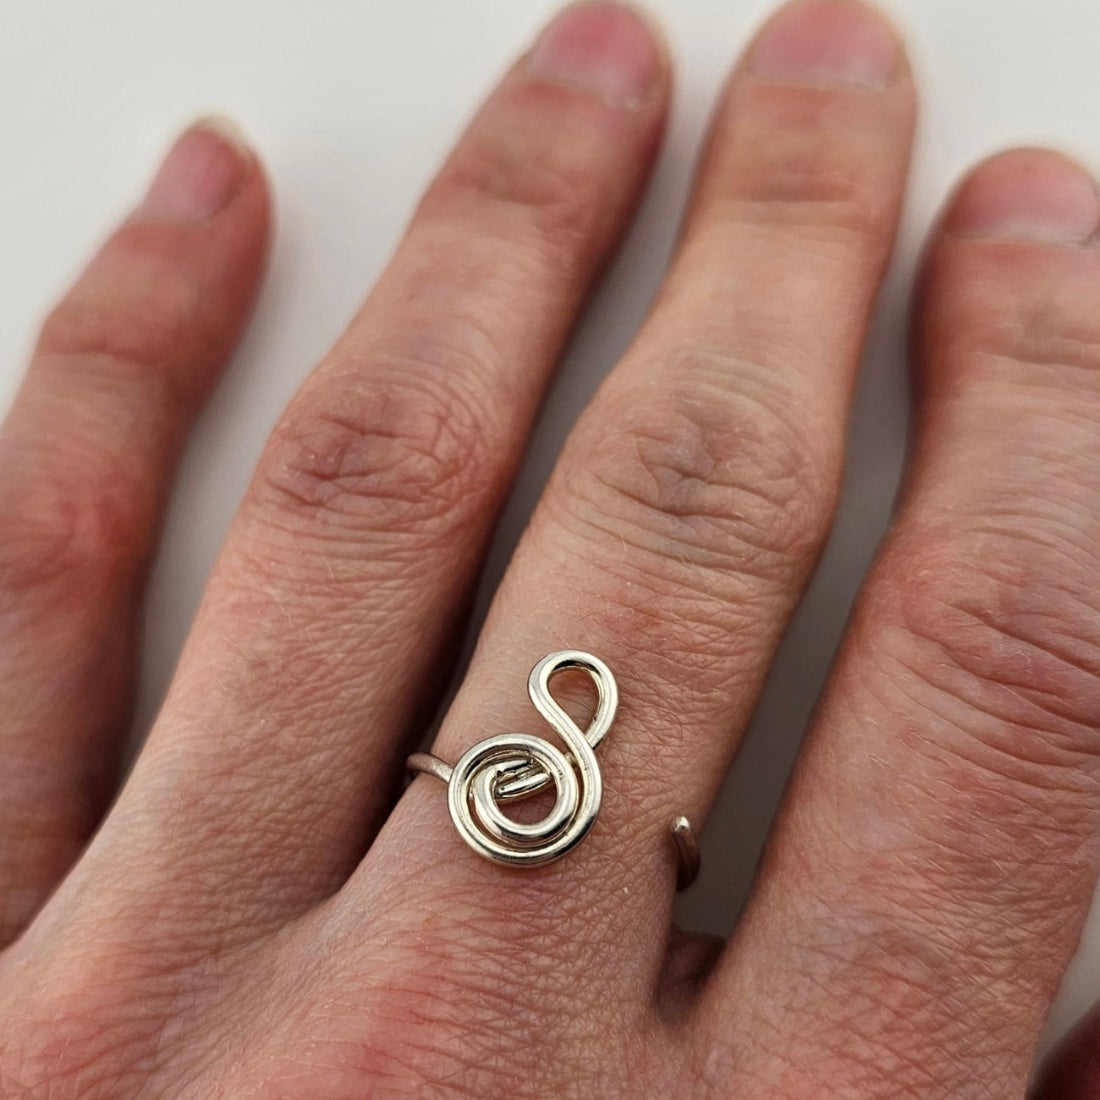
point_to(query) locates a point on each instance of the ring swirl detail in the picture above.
(509, 767)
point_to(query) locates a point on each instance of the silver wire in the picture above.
(509, 767)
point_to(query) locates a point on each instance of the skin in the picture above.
(262, 913)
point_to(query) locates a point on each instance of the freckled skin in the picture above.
(260, 915)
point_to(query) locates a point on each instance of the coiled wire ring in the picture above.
(509, 767)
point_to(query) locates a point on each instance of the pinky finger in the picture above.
(86, 456)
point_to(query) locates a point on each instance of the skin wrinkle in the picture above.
(687, 490)
(111, 387)
(1062, 365)
(514, 252)
(432, 999)
(988, 878)
(929, 743)
(140, 305)
(1062, 513)
(529, 179)
(1018, 305)
(644, 585)
(1006, 664)
(815, 155)
(406, 462)
(1066, 759)
(1056, 772)
(884, 996)
(163, 311)
(323, 693)
(60, 539)
(768, 353)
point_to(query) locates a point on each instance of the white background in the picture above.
(353, 103)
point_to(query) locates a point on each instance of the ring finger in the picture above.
(684, 516)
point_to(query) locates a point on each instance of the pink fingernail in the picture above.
(1027, 194)
(601, 47)
(827, 41)
(200, 175)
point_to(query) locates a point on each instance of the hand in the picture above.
(263, 914)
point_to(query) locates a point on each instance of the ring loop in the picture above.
(509, 767)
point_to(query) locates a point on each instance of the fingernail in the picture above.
(600, 47)
(201, 173)
(827, 42)
(1027, 194)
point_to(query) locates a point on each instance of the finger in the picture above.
(322, 638)
(86, 456)
(685, 513)
(928, 879)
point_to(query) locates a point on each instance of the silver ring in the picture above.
(509, 767)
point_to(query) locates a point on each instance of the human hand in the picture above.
(260, 915)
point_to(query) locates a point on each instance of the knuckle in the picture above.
(411, 455)
(812, 165)
(72, 536)
(815, 208)
(1018, 316)
(1033, 355)
(136, 312)
(706, 477)
(525, 180)
(1002, 623)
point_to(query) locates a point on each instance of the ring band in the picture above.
(509, 767)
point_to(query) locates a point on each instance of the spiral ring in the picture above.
(512, 766)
